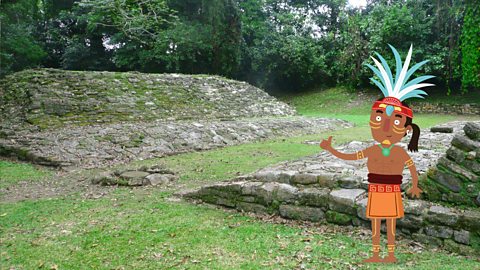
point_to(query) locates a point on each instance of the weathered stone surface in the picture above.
(157, 179)
(452, 166)
(415, 207)
(249, 188)
(327, 180)
(103, 144)
(462, 237)
(305, 178)
(465, 143)
(446, 108)
(469, 220)
(286, 193)
(350, 182)
(362, 208)
(411, 222)
(441, 129)
(314, 197)
(442, 215)
(456, 154)
(134, 178)
(301, 212)
(338, 218)
(448, 180)
(439, 231)
(474, 166)
(252, 207)
(105, 178)
(472, 130)
(452, 246)
(426, 239)
(343, 200)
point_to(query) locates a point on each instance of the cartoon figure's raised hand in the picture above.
(414, 192)
(326, 144)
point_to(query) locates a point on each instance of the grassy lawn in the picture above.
(143, 229)
(12, 173)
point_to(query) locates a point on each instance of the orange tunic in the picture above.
(384, 201)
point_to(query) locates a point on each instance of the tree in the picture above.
(471, 47)
(19, 47)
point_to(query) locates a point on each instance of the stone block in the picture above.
(225, 202)
(274, 176)
(465, 143)
(362, 209)
(452, 246)
(327, 180)
(448, 180)
(343, 200)
(338, 218)
(249, 188)
(158, 179)
(251, 207)
(301, 212)
(314, 197)
(426, 239)
(442, 215)
(440, 129)
(472, 130)
(457, 169)
(286, 193)
(456, 154)
(250, 199)
(462, 237)
(474, 166)
(410, 222)
(350, 181)
(305, 178)
(439, 231)
(415, 207)
(470, 220)
(134, 178)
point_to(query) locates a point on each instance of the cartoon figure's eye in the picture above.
(378, 118)
(396, 122)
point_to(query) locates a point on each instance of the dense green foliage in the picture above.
(471, 47)
(274, 44)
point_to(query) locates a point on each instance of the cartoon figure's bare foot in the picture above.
(390, 259)
(374, 259)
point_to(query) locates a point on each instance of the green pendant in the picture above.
(386, 151)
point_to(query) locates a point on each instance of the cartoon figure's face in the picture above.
(387, 126)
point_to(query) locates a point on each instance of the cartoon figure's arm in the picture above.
(414, 191)
(327, 145)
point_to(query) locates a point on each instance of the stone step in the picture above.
(424, 221)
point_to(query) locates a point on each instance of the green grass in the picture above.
(143, 230)
(12, 173)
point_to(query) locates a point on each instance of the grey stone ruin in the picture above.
(321, 189)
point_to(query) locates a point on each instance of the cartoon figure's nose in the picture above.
(386, 126)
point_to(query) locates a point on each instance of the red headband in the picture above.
(398, 108)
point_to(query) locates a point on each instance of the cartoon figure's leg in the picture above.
(376, 222)
(391, 226)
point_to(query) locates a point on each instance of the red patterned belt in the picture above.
(383, 188)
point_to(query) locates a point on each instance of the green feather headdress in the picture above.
(399, 88)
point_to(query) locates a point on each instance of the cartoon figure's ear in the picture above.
(408, 130)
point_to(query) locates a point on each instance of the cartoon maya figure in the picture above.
(390, 121)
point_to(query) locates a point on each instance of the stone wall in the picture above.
(325, 189)
(311, 198)
(456, 177)
(444, 108)
(105, 144)
(50, 98)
